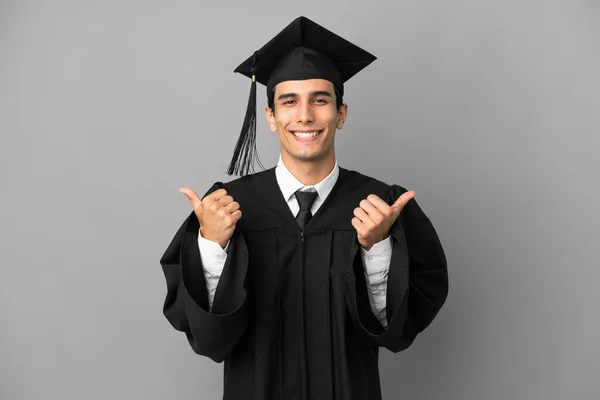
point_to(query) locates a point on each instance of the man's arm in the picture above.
(213, 258)
(417, 281)
(215, 331)
(377, 263)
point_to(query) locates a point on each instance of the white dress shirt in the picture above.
(376, 260)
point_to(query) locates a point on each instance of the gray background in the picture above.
(488, 110)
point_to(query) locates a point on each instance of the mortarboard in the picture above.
(302, 50)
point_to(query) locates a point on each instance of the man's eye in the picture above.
(288, 102)
(322, 101)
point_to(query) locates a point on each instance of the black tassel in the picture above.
(245, 153)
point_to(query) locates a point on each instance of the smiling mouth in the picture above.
(305, 135)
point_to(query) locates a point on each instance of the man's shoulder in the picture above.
(246, 184)
(365, 183)
(247, 187)
(250, 182)
(412, 213)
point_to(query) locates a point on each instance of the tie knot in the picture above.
(305, 199)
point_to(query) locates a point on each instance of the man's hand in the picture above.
(217, 214)
(374, 218)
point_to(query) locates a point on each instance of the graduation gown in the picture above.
(291, 317)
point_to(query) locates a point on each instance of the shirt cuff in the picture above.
(377, 259)
(212, 255)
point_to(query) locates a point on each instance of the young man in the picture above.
(295, 276)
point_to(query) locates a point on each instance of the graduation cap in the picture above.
(302, 50)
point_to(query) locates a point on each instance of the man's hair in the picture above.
(271, 99)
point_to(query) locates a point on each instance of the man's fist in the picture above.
(374, 218)
(217, 214)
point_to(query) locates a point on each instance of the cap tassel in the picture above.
(245, 153)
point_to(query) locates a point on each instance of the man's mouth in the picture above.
(305, 134)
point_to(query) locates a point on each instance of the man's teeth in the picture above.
(305, 135)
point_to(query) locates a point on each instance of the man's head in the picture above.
(306, 114)
(302, 61)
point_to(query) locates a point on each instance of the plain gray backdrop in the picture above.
(488, 110)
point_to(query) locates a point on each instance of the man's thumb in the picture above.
(401, 202)
(192, 197)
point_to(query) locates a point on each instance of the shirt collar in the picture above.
(288, 184)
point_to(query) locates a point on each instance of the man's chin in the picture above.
(308, 158)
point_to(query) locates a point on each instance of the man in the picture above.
(295, 276)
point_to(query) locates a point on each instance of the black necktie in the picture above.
(305, 200)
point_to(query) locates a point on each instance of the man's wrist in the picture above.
(383, 245)
(202, 236)
(223, 244)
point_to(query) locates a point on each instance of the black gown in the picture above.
(291, 316)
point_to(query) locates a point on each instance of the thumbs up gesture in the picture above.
(217, 214)
(373, 218)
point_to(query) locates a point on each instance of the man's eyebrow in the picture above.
(286, 95)
(321, 93)
(312, 94)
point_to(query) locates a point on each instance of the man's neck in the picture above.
(309, 173)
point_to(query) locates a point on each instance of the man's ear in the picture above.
(270, 115)
(342, 114)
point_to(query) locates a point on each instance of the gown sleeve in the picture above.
(210, 333)
(417, 284)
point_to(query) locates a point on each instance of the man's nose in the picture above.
(305, 113)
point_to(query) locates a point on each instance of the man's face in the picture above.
(306, 119)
